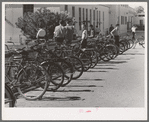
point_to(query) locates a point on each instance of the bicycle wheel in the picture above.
(106, 54)
(95, 58)
(131, 43)
(86, 60)
(30, 79)
(9, 97)
(114, 50)
(141, 42)
(121, 48)
(57, 74)
(77, 66)
(68, 70)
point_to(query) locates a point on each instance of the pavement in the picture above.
(117, 83)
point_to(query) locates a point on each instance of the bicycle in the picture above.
(139, 41)
(10, 99)
(25, 75)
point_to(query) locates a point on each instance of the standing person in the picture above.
(92, 32)
(69, 32)
(59, 32)
(84, 36)
(111, 28)
(115, 33)
(97, 30)
(133, 29)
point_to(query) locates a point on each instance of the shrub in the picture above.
(43, 17)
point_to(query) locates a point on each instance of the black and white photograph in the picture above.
(74, 60)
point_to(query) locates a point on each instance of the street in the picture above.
(117, 83)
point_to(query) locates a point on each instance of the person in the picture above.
(97, 30)
(69, 32)
(41, 33)
(84, 36)
(111, 28)
(92, 32)
(115, 33)
(59, 33)
(133, 29)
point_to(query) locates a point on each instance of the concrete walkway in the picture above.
(118, 83)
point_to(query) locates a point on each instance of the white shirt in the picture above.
(84, 34)
(133, 29)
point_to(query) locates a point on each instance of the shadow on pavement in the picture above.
(133, 54)
(83, 86)
(114, 62)
(91, 79)
(97, 71)
(104, 68)
(104, 65)
(73, 98)
(75, 90)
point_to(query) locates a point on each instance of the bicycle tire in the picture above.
(121, 48)
(131, 43)
(56, 73)
(86, 60)
(106, 54)
(95, 59)
(27, 82)
(77, 67)
(68, 70)
(9, 97)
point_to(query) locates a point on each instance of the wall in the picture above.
(12, 14)
(116, 12)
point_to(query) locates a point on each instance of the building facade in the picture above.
(139, 20)
(100, 15)
(122, 15)
(97, 15)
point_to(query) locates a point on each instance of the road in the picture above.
(117, 83)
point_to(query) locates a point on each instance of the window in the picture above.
(103, 20)
(140, 15)
(94, 18)
(125, 20)
(103, 15)
(87, 17)
(28, 8)
(122, 20)
(80, 18)
(73, 11)
(97, 19)
(83, 14)
(66, 8)
(90, 16)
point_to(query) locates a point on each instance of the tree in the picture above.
(139, 9)
(43, 17)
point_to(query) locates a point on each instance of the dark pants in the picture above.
(84, 43)
(116, 40)
(68, 42)
(133, 35)
(59, 40)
